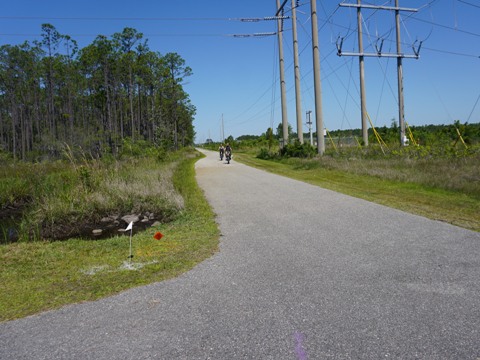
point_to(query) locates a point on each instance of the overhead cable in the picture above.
(468, 3)
(129, 18)
(445, 26)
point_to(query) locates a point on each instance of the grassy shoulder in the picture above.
(451, 206)
(44, 275)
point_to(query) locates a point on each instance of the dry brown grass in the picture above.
(452, 174)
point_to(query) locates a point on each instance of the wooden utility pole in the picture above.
(316, 78)
(401, 115)
(283, 88)
(298, 99)
(363, 101)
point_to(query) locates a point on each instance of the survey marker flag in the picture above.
(130, 227)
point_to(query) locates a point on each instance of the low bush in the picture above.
(299, 150)
(266, 154)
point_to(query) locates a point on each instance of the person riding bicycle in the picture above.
(228, 153)
(221, 150)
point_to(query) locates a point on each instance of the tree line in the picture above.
(456, 135)
(114, 90)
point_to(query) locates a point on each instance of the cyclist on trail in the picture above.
(228, 153)
(221, 150)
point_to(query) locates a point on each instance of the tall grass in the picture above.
(449, 168)
(64, 196)
(453, 174)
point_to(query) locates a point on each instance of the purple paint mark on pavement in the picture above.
(299, 350)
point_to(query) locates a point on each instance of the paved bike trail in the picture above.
(302, 273)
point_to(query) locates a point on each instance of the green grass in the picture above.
(444, 190)
(45, 275)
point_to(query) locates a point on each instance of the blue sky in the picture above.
(236, 78)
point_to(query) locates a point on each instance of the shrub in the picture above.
(265, 154)
(296, 149)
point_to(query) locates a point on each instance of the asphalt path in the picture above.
(302, 273)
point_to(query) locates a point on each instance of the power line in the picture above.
(445, 26)
(264, 34)
(466, 2)
(148, 35)
(452, 52)
(258, 35)
(131, 18)
(474, 106)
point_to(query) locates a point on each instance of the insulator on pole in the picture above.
(416, 51)
(266, 18)
(251, 19)
(283, 17)
(339, 45)
(379, 48)
(255, 34)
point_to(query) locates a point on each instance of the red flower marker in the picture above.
(158, 235)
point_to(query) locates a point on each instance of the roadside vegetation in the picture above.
(61, 199)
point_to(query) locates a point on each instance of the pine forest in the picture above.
(98, 98)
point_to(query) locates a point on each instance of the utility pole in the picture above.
(316, 77)
(298, 101)
(399, 55)
(401, 115)
(363, 101)
(309, 123)
(283, 88)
